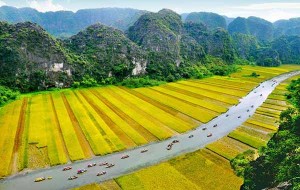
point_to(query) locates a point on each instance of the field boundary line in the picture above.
(18, 137)
(59, 128)
(80, 135)
(113, 126)
(135, 125)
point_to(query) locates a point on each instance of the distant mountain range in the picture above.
(66, 23)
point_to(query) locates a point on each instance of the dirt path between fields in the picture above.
(18, 137)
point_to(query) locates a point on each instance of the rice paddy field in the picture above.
(209, 168)
(48, 129)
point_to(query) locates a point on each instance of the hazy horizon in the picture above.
(269, 10)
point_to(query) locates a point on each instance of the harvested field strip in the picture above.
(108, 132)
(135, 125)
(91, 133)
(37, 157)
(254, 132)
(17, 149)
(264, 74)
(147, 121)
(70, 134)
(199, 165)
(214, 89)
(277, 103)
(222, 85)
(227, 147)
(55, 144)
(165, 118)
(197, 96)
(247, 139)
(270, 71)
(267, 114)
(8, 126)
(192, 111)
(79, 133)
(109, 185)
(277, 97)
(212, 95)
(259, 129)
(190, 99)
(279, 92)
(264, 119)
(161, 106)
(144, 179)
(269, 111)
(59, 131)
(274, 107)
(215, 158)
(261, 124)
(109, 117)
(247, 85)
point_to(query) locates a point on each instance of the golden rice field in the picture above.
(58, 127)
(209, 168)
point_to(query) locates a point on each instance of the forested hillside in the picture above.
(159, 46)
(31, 59)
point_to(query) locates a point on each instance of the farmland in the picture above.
(208, 168)
(58, 127)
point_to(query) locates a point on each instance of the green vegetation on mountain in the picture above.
(28, 57)
(260, 28)
(278, 163)
(158, 33)
(289, 27)
(216, 42)
(109, 55)
(267, 57)
(6, 95)
(160, 47)
(245, 45)
(288, 48)
(210, 20)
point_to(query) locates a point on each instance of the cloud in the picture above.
(268, 11)
(44, 5)
(268, 6)
(2, 3)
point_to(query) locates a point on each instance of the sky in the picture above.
(271, 10)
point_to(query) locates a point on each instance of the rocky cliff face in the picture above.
(164, 36)
(108, 52)
(31, 59)
(158, 33)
